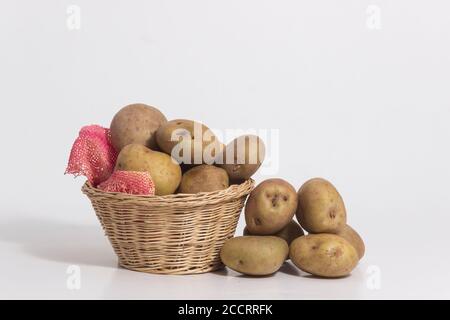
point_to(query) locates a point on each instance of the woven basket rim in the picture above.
(182, 199)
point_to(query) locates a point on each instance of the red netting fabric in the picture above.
(132, 182)
(92, 155)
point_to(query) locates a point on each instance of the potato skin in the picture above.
(164, 170)
(349, 234)
(136, 123)
(196, 137)
(320, 207)
(254, 255)
(289, 233)
(324, 255)
(242, 157)
(204, 178)
(270, 207)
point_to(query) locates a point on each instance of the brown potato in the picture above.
(320, 207)
(204, 178)
(242, 157)
(325, 255)
(254, 255)
(289, 233)
(349, 234)
(164, 170)
(270, 207)
(188, 142)
(186, 167)
(136, 123)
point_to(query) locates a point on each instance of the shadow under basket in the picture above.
(173, 234)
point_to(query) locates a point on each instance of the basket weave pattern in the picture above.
(174, 234)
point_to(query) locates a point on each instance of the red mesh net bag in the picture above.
(132, 182)
(92, 155)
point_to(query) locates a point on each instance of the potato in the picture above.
(349, 234)
(186, 167)
(254, 255)
(189, 142)
(204, 178)
(136, 123)
(164, 170)
(320, 207)
(242, 157)
(324, 255)
(289, 233)
(270, 207)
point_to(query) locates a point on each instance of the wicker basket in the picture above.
(174, 234)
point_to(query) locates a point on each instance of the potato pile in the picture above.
(331, 249)
(184, 156)
(181, 156)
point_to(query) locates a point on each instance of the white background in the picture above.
(368, 109)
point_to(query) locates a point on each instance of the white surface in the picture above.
(37, 252)
(367, 109)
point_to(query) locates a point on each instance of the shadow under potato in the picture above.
(221, 272)
(287, 268)
(59, 241)
(290, 269)
(311, 276)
